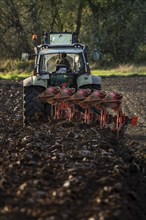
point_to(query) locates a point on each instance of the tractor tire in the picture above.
(33, 109)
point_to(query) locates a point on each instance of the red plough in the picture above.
(84, 105)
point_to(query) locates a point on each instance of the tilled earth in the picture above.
(68, 171)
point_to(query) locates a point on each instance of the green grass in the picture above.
(122, 70)
(110, 73)
(14, 76)
(102, 73)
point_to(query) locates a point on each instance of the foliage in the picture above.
(11, 65)
(115, 27)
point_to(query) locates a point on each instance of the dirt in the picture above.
(69, 171)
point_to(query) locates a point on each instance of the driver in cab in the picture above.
(63, 61)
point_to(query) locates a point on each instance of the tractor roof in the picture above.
(68, 50)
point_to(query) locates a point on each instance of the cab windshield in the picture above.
(49, 63)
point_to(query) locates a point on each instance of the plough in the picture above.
(88, 106)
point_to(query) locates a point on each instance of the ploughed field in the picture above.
(68, 171)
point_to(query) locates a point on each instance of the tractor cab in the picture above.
(68, 60)
(61, 54)
(61, 59)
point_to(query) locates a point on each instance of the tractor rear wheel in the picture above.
(33, 109)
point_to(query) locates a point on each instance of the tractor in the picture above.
(63, 88)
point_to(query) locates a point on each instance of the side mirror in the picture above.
(96, 55)
(24, 56)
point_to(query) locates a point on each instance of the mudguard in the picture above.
(87, 79)
(35, 81)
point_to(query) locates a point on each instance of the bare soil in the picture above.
(71, 171)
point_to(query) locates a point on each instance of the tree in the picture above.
(119, 27)
(13, 31)
(116, 28)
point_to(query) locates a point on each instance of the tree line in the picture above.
(115, 28)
